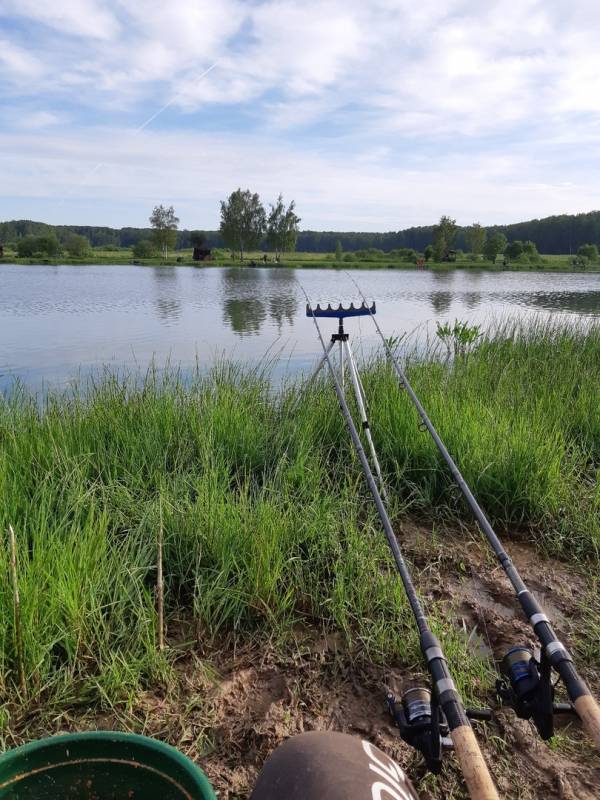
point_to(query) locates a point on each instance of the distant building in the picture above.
(201, 254)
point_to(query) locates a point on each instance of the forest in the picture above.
(554, 235)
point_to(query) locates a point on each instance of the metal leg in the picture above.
(363, 415)
(342, 377)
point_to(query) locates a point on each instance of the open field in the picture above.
(551, 263)
(271, 546)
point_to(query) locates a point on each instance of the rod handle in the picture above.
(589, 712)
(474, 769)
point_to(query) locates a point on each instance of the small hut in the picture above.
(201, 254)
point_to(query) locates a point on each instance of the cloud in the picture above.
(74, 17)
(194, 171)
(17, 62)
(35, 120)
(349, 104)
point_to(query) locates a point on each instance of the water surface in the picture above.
(60, 322)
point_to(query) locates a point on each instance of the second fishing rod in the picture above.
(528, 687)
(418, 722)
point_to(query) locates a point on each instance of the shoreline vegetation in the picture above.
(249, 235)
(259, 511)
(299, 260)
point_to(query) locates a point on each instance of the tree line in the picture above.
(553, 235)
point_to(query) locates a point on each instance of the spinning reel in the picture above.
(527, 688)
(422, 724)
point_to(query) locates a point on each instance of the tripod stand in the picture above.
(348, 362)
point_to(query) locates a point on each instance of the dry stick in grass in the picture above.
(17, 609)
(159, 581)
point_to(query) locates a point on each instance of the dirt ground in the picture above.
(231, 715)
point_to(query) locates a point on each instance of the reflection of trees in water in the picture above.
(243, 307)
(444, 276)
(472, 299)
(244, 316)
(282, 296)
(168, 305)
(587, 303)
(440, 301)
(249, 295)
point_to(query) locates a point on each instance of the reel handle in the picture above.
(472, 764)
(589, 712)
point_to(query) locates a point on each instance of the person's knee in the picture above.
(332, 766)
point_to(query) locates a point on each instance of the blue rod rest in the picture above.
(340, 312)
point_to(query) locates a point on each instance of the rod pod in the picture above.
(554, 651)
(472, 764)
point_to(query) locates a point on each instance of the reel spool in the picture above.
(422, 723)
(419, 720)
(527, 688)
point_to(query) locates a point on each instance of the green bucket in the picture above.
(101, 766)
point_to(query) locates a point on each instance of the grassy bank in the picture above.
(263, 511)
(550, 263)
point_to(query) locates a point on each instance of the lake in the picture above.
(61, 322)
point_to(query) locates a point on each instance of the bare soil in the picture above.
(228, 709)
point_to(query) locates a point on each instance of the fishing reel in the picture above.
(422, 723)
(527, 688)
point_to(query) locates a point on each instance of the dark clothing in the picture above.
(325, 765)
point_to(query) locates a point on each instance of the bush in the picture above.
(38, 245)
(588, 251)
(144, 249)
(77, 245)
(369, 254)
(522, 252)
(404, 254)
(349, 257)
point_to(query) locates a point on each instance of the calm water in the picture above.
(60, 322)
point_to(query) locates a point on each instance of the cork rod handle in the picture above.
(589, 712)
(477, 777)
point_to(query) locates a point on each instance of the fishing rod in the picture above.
(527, 687)
(418, 715)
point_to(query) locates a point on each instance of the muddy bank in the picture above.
(228, 709)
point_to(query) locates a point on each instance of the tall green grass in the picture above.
(266, 519)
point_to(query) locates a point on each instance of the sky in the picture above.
(372, 115)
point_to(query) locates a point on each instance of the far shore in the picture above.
(548, 263)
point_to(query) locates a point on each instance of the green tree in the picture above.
(164, 222)
(475, 237)
(47, 244)
(444, 235)
(282, 227)
(338, 250)
(589, 251)
(145, 248)
(27, 246)
(77, 245)
(531, 251)
(428, 252)
(514, 249)
(242, 221)
(495, 245)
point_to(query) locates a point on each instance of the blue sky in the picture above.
(372, 114)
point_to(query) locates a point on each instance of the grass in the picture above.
(299, 260)
(266, 519)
